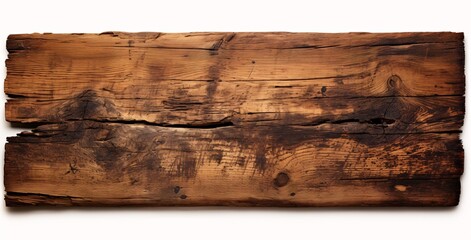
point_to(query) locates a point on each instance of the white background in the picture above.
(236, 15)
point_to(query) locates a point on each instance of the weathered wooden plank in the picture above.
(258, 119)
(103, 162)
(424, 69)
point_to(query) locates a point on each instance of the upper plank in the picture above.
(214, 78)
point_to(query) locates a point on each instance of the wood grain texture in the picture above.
(240, 119)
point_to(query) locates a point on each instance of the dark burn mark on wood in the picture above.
(185, 164)
(86, 105)
(288, 136)
(152, 160)
(107, 155)
(260, 159)
(241, 161)
(425, 51)
(176, 189)
(130, 43)
(211, 88)
(217, 157)
(183, 196)
(213, 74)
(401, 187)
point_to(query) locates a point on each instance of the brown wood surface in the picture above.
(245, 119)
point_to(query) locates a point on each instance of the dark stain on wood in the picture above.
(260, 159)
(217, 157)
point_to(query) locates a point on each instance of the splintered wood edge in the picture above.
(406, 104)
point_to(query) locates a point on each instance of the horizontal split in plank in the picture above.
(347, 115)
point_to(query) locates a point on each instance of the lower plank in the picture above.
(90, 163)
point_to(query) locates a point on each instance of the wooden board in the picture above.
(240, 119)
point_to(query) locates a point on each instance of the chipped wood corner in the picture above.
(235, 119)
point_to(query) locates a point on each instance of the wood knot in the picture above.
(323, 90)
(394, 82)
(281, 180)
